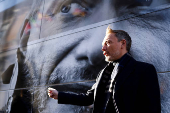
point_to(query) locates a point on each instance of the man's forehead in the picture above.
(109, 36)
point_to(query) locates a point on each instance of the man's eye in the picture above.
(65, 9)
(107, 43)
(74, 9)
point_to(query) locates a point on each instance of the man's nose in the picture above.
(103, 48)
(91, 47)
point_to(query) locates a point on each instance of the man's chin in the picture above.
(108, 59)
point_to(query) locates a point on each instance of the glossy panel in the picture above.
(12, 17)
(7, 66)
(63, 15)
(164, 81)
(44, 104)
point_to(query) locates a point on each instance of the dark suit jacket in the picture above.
(136, 89)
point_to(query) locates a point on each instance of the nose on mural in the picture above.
(95, 54)
(91, 50)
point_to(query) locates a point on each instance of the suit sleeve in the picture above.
(83, 99)
(151, 91)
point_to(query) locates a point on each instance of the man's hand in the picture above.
(53, 93)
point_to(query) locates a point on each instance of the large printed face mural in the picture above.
(69, 48)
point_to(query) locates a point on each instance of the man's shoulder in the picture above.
(144, 65)
(140, 63)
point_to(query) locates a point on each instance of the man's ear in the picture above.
(123, 43)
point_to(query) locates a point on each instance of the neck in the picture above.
(117, 60)
(123, 53)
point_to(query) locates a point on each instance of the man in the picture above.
(130, 87)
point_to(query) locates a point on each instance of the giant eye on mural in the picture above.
(58, 44)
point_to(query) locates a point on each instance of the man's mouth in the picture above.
(105, 53)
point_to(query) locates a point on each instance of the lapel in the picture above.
(126, 66)
(100, 78)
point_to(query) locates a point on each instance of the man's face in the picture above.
(77, 56)
(111, 47)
